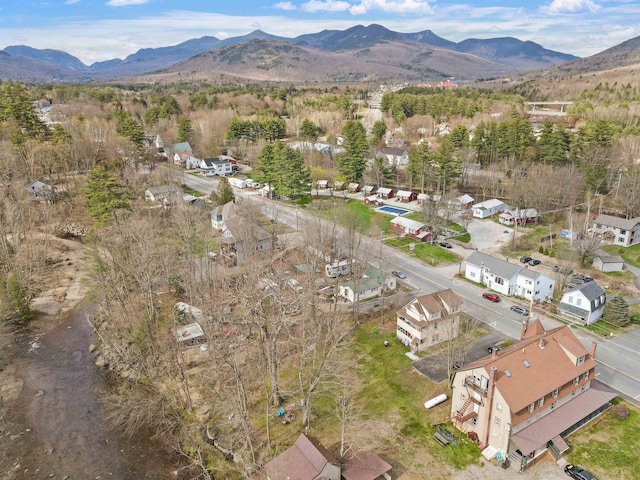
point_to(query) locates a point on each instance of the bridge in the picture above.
(551, 109)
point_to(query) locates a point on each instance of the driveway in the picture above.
(433, 367)
(488, 236)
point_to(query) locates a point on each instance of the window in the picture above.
(553, 405)
(472, 274)
(499, 281)
(498, 407)
(585, 375)
(621, 239)
(576, 380)
(474, 421)
(435, 338)
(583, 388)
(463, 397)
(578, 301)
(497, 421)
(623, 232)
(570, 300)
(573, 393)
(541, 402)
(580, 360)
(532, 406)
(555, 393)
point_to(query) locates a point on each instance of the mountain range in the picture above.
(372, 53)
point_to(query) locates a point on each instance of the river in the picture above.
(54, 429)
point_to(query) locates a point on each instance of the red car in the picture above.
(491, 296)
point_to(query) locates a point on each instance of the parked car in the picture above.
(520, 310)
(491, 348)
(525, 259)
(445, 244)
(399, 274)
(562, 270)
(491, 296)
(578, 473)
(458, 365)
(534, 261)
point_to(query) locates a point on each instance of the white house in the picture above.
(508, 278)
(616, 230)
(488, 207)
(181, 151)
(583, 304)
(155, 194)
(394, 156)
(191, 163)
(374, 282)
(429, 319)
(217, 166)
(222, 213)
(523, 216)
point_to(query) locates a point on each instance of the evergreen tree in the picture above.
(380, 171)
(378, 132)
(15, 106)
(555, 143)
(459, 136)
(616, 312)
(309, 130)
(17, 300)
(447, 165)
(184, 129)
(105, 196)
(283, 169)
(224, 192)
(421, 161)
(132, 130)
(352, 162)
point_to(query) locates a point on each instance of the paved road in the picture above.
(617, 357)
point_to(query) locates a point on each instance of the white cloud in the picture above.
(314, 6)
(391, 6)
(125, 3)
(71, 2)
(285, 6)
(571, 6)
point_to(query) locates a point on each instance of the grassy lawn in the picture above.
(630, 255)
(609, 447)
(432, 254)
(394, 392)
(344, 209)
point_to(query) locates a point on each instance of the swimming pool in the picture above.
(392, 210)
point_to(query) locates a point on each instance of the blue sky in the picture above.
(96, 30)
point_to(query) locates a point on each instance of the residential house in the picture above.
(306, 459)
(429, 319)
(464, 201)
(156, 194)
(192, 163)
(608, 263)
(354, 187)
(385, 193)
(374, 282)
(524, 400)
(616, 230)
(373, 200)
(584, 304)
(406, 196)
(216, 167)
(322, 184)
(338, 185)
(159, 145)
(222, 213)
(369, 190)
(522, 216)
(242, 239)
(189, 312)
(181, 151)
(394, 156)
(43, 191)
(508, 278)
(411, 228)
(488, 207)
(366, 466)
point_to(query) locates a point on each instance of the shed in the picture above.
(608, 263)
(366, 466)
(372, 200)
(385, 193)
(323, 184)
(369, 190)
(354, 187)
(190, 335)
(405, 196)
(338, 185)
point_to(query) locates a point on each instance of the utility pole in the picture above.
(382, 279)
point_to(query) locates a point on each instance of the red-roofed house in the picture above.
(306, 459)
(524, 400)
(366, 466)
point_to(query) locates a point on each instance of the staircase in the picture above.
(460, 414)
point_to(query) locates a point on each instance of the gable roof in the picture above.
(494, 202)
(548, 368)
(212, 162)
(182, 147)
(408, 223)
(304, 460)
(496, 266)
(228, 210)
(365, 466)
(617, 222)
(591, 290)
(443, 301)
(608, 258)
(241, 229)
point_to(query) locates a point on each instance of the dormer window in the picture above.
(580, 360)
(532, 406)
(541, 402)
(555, 393)
(586, 375)
(576, 380)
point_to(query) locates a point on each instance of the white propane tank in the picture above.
(435, 401)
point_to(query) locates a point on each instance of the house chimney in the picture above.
(489, 404)
(592, 352)
(541, 343)
(523, 328)
(494, 352)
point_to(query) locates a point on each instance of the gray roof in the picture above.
(591, 290)
(608, 258)
(525, 272)
(617, 222)
(500, 268)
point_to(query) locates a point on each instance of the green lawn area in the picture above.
(630, 255)
(609, 447)
(431, 254)
(394, 392)
(344, 210)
